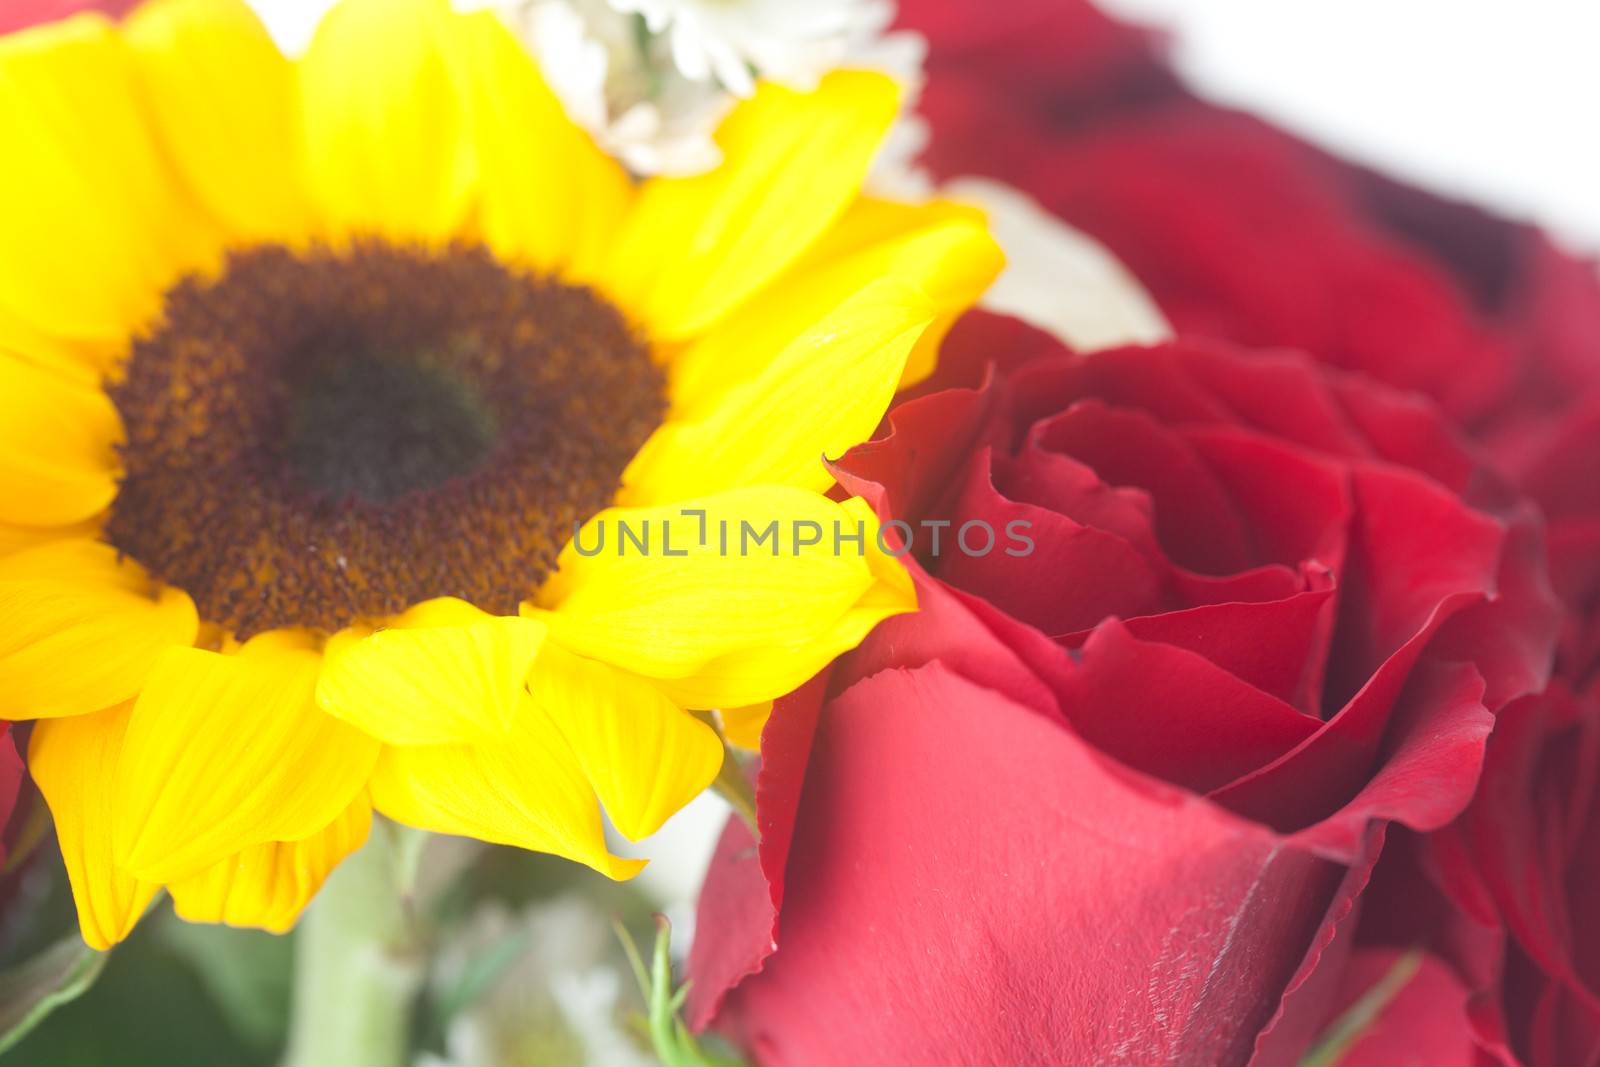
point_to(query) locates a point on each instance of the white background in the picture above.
(1495, 100)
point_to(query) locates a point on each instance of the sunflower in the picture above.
(309, 371)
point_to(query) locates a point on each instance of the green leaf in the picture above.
(1348, 1028)
(56, 976)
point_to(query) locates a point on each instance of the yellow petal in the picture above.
(528, 791)
(79, 628)
(268, 886)
(943, 249)
(551, 199)
(825, 392)
(694, 248)
(733, 620)
(74, 761)
(229, 751)
(19, 538)
(94, 228)
(388, 147)
(762, 673)
(57, 447)
(224, 99)
(444, 671)
(743, 726)
(82, 360)
(644, 755)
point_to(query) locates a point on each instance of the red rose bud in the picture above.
(1119, 799)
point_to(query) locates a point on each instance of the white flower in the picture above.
(1060, 279)
(652, 79)
(618, 82)
(792, 41)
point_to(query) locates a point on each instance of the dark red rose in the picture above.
(1059, 55)
(1121, 796)
(1556, 459)
(1241, 230)
(18, 14)
(1503, 897)
(1510, 902)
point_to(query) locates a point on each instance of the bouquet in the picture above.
(669, 531)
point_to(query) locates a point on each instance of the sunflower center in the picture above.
(319, 437)
(378, 428)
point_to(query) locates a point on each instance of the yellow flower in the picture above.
(309, 370)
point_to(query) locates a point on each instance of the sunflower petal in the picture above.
(229, 751)
(268, 886)
(83, 171)
(825, 392)
(941, 248)
(744, 726)
(74, 761)
(20, 538)
(551, 199)
(57, 460)
(528, 791)
(744, 595)
(387, 133)
(79, 628)
(644, 755)
(224, 98)
(444, 672)
(82, 361)
(693, 249)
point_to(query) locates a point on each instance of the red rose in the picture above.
(1556, 460)
(1503, 897)
(1121, 796)
(1242, 231)
(1522, 864)
(1056, 54)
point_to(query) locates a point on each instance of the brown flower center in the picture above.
(315, 438)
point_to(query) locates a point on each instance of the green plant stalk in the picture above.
(733, 782)
(670, 1039)
(733, 785)
(358, 968)
(1348, 1028)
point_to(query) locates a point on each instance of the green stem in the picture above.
(357, 967)
(733, 785)
(732, 782)
(1348, 1028)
